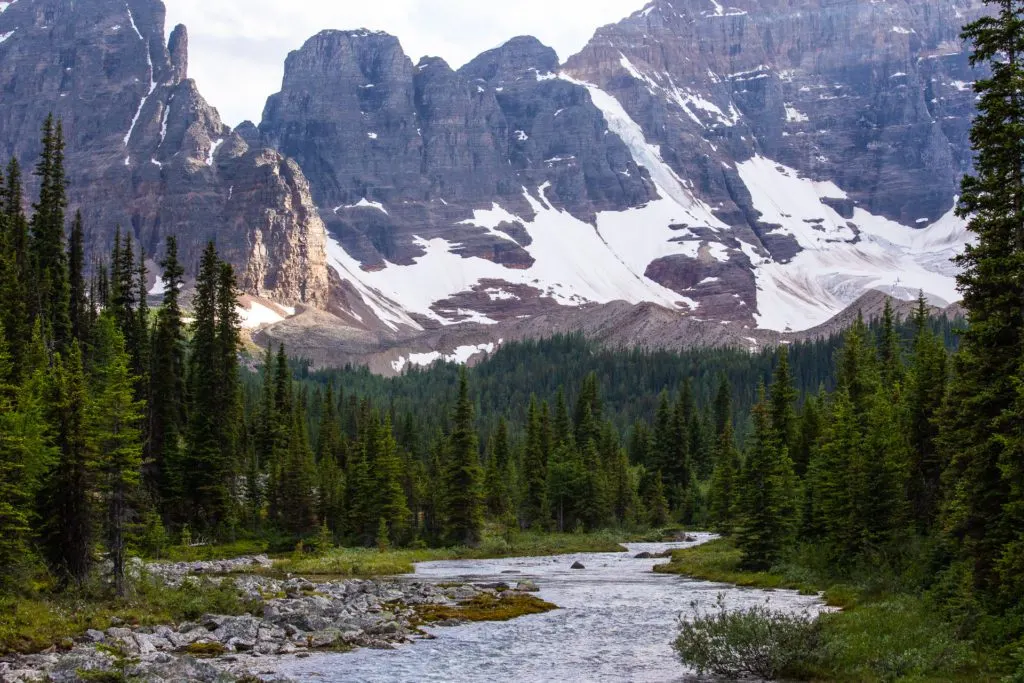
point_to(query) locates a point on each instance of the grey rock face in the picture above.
(144, 149)
(873, 96)
(396, 152)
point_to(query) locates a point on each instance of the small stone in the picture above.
(578, 565)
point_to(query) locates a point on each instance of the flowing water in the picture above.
(616, 622)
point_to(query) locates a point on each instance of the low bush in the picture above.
(757, 642)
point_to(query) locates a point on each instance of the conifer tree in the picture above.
(766, 506)
(926, 388)
(50, 293)
(298, 480)
(390, 503)
(782, 397)
(167, 403)
(535, 498)
(725, 481)
(119, 442)
(890, 353)
(69, 508)
(25, 453)
(464, 501)
(985, 513)
(15, 271)
(499, 474)
(80, 311)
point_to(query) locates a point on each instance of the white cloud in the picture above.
(238, 47)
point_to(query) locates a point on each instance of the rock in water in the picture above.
(578, 565)
(643, 556)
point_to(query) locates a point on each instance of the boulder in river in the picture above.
(578, 565)
(643, 556)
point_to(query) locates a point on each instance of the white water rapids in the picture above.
(616, 621)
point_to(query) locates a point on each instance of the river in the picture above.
(616, 621)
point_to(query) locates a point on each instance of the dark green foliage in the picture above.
(464, 499)
(69, 507)
(981, 423)
(766, 502)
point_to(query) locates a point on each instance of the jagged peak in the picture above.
(512, 61)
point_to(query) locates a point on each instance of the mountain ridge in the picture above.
(727, 164)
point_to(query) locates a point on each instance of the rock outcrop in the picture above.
(145, 151)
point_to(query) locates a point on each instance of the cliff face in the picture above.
(760, 164)
(144, 149)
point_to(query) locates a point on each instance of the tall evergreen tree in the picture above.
(15, 267)
(69, 507)
(766, 504)
(985, 514)
(119, 442)
(725, 481)
(464, 502)
(80, 309)
(167, 401)
(50, 295)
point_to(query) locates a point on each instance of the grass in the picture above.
(878, 636)
(366, 562)
(484, 608)
(34, 623)
(719, 561)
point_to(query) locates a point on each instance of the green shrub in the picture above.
(756, 642)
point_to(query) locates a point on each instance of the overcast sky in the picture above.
(238, 47)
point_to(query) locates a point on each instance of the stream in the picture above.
(616, 622)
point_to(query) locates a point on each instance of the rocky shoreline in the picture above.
(298, 617)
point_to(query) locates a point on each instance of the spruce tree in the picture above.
(535, 472)
(390, 503)
(17, 282)
(80, 309)
(985, 513)
(25, 454)
(782, 397)
(118, 418)
(69, 504)
(725, 481)
(464, 501)
(50, 294)
(167, 404)
(766, 504)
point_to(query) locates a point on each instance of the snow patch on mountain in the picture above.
(841, 259)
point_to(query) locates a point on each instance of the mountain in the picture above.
(144, 149)
(700, 173)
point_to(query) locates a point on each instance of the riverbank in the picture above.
(282, 617)
(876, 636)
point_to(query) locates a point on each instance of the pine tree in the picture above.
(464, 502)
(167, 404)
(69, 506)
(298, 480)
(390, 503)
(80, 309)
(499, 475)
(535, 472)
(984, 513)
(25, 453)
(782, 397)
(725, 481)
(16, 282)
(926, 388)
(723, 405)
(119, 442)
(890, 353)
(50, 295)
(766, 504)
(213, 388)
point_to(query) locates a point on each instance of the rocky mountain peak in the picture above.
(519, 58)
